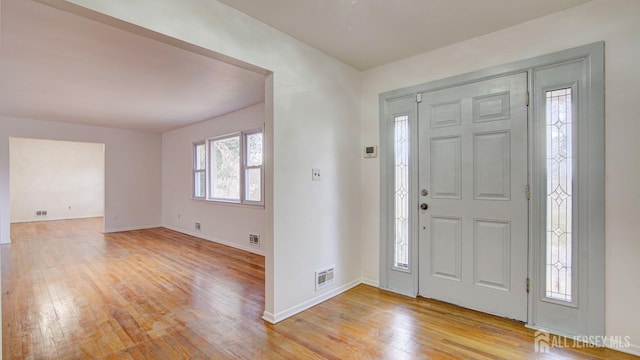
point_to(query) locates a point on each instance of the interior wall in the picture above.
(315, 125)
(133, 190)
(64, 178)
(228, 224)
(618, 24)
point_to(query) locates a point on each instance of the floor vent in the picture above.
(324, 277)
(254, 240)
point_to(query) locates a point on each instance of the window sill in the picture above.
(230, 203)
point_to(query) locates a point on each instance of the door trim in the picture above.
(595, 54)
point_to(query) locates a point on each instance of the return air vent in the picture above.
(324, 277)
(254, 239)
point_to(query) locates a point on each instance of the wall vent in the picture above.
(254, 239)
(324, 277)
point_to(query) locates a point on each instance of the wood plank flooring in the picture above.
(70, 292)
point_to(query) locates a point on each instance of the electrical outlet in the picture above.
(197, 226)
(315, 174)
(254, 239)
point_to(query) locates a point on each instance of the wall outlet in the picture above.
(315, 174)
(197, 226)
(254, 239)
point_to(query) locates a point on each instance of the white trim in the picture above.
(371, 282)
(249, 205)
(252, 250)
(131, 228)
(633, 349)
(282, 315)
(57, 219)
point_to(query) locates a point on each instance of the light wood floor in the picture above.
(70, 292)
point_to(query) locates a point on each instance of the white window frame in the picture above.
(245, 167)
(242, 135)
(210, 168)
(197, 171)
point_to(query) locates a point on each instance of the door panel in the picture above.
(447, 163)
(446, 247)
(473, 164)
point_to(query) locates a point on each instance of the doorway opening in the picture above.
(55, 180)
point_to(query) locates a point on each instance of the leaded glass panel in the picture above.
(559, 158)
(401, 192)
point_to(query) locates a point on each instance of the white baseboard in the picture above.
(276, 318)
(370, 282)
(130, 228)
(41, 219)
(269, 317)
(631, 349)
(222, 242)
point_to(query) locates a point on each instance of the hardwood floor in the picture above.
(70, 292)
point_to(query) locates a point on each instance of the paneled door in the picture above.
(473, 195)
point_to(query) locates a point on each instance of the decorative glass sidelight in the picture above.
(401, 191)
(559, 157)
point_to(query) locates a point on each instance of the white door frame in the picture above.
(592, 227)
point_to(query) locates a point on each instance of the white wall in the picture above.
(64, 178)
(315, 125)
(615, 22)
(133, 190)
(228, 224)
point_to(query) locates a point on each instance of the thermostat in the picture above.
(370, 151)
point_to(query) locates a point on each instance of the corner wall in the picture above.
(228, 224)
(316, 124)
(618, 24)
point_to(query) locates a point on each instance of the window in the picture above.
(253, 166)
(199, 170)
(225, 168)
(559, 194)
(401, 187)
(234, 170)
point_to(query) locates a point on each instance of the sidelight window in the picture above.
(559, 158)
(401, 189)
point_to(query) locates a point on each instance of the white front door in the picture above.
(472, 182)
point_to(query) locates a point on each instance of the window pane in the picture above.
(200, 154)
(559, 195)
(254, 149)
(253, 192)
(401, 188)
(225, 161)
(199, 188)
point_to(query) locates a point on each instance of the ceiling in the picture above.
(370, 33)
(58, 66)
